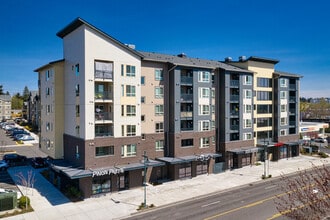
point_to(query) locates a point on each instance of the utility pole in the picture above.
(265, 158)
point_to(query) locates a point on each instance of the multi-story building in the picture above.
(109, 111)
(5, 107)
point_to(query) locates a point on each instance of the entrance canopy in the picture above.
(189, 158)
(243, 150)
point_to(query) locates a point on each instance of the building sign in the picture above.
(103, 172)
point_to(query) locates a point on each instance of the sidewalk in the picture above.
(48, 203)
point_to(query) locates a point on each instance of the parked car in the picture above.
(38, 162)
(20, 131)
(14, 159)
(320, 140)
(25, 137)
(3, 165)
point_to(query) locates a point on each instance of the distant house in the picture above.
(5, 107)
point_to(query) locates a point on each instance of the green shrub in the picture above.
(24, 202)
(323, 155)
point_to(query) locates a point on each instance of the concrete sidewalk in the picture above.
(50, 204)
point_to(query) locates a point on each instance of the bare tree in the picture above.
(26, 181)
(306, 196)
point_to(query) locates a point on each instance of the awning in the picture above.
(69, 170)
(291, 143)
(244, 150)
(189, 158)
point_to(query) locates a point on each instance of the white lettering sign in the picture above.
(107, 171)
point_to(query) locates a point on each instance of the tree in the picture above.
(17, 102)
(26, 94)
(306, 196)
(27, 182)
(1, 90)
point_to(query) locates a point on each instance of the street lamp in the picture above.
(145, 160)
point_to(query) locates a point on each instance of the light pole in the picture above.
(145, 159)
(265, 158)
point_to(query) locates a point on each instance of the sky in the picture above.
(295, 32)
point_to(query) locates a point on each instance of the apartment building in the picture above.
(109, 111)
(5, 107)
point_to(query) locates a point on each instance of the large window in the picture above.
(187, 142)
(159, 110)
(284, 121)
(130, 70)
(159, 127)
(264, 109)
(247, 93)
(283, 94)
(264, 82)
(247, 80)
(204, 92)
(204, 109)
(159, 92)
(264, 122)
(204, 142)
(283, 82)
(130, 110)
(130, 130)
(204, 125)
(128, 150)
(204, 76)
(159, 145)
(103, 70)
(130, 90)
(104, 151)
(247, 123)
(159, 75)
(263, 95)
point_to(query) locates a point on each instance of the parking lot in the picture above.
(8, 145)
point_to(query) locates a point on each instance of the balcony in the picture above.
(234, 83)
(103, 75)
(186, 114)
(103, 116)
(103, 95)
(103, 130)
(234, 127)
(293, 99)
(292, 86)
(234, 98)
(186, 80)
(186, 97)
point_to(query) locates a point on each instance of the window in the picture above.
(130, 110)
(143, 136)
(103, 70)
(47, 91)
(187, 142)
(203, 76)
(204, 92)
(159, 145)
(247, 123)
(128, 150)
(77, 130)
(143, 99)
(48, 126)
(283, 94)
(264, 122)
(247, 80)
(264, 82)
(204, 125)
(122, 110)
(130, 90)
(130, 130)
(159, 127)
(247, 136)
(77, 110)
(143, 117)
(247, 108)
(264, 109)
(283, 108)
(283, 82)
(159, 92)
(48, 109)
(263, 95)
(213, 93)
(284, 121)
(104, 151)
(159, 110)
(247, 93)
(77, 90)
(77, 69)
(159, 74)
(204, 142)
(283, 132)
(122, 70)
(143, 79)
(204, 109)
(130, 70)
(47, 75)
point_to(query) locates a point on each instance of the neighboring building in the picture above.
(51, 109)
(5, 107)
(33, 108)
(105, 104)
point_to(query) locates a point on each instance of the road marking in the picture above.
(270, 187)
(212, 203)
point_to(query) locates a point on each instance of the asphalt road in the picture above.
(255, 201)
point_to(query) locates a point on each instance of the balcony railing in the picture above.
(234, 83)
(234, 127)
(103, 74)
(292, 98)
(186, 80)
(234, 97)
(186, 97)
(187, 114)
(103, 95)
(103, 116)
(292, 86)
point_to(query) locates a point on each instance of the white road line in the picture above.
(212, 203)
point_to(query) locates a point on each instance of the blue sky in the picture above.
(293, 31)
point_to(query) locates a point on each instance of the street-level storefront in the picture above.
(277, 151)
(189, 166)
(240, 157)
(106, 179)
